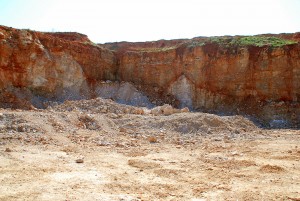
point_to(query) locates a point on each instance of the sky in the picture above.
(147, 20)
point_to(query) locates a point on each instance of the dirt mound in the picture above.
(161, 117)
(208, 123)
(108, 119)
(195, 123)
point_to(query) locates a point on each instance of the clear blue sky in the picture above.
(144, 20)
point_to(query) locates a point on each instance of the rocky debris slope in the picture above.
(168, 118)
(95, 106)
(100, 105)
(103, 122)
(124, 92)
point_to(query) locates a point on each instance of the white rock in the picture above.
(167, 109)
(185, 109)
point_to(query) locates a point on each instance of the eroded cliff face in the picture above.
(225, 75)
(36, 67)
(219, 76)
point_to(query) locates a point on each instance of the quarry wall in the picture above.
(225, 75)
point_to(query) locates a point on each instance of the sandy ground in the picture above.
(82, 154)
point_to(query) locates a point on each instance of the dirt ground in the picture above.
(99, 150)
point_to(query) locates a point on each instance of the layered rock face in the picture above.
(227, 75)
(36, 67)
(219, 75)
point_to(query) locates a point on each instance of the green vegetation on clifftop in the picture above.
(258, 41)
(262, 40)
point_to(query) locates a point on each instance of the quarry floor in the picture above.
(62, 155)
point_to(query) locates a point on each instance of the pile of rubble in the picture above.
(100, 105)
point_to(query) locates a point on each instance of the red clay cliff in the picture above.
(35, 66)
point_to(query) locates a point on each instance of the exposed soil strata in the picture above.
(50, 66)
(257, 76)
(221, 74)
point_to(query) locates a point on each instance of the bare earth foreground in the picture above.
(99, 150)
